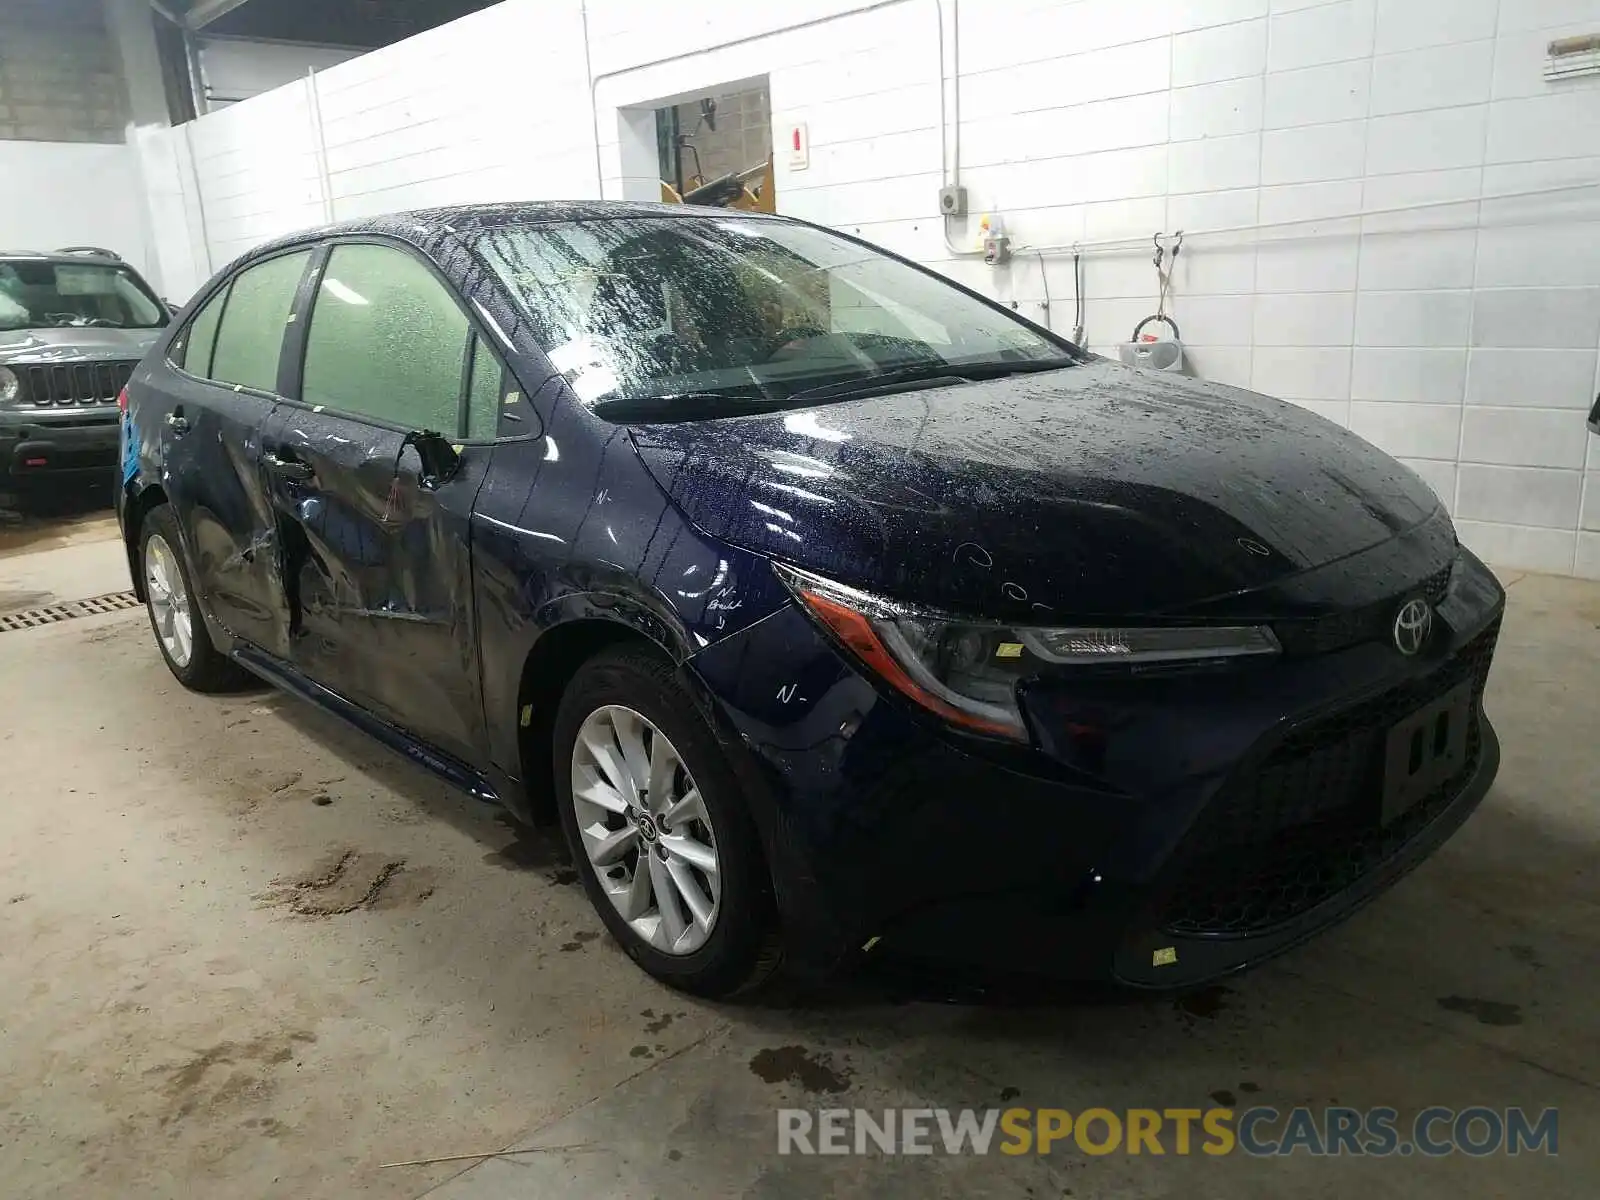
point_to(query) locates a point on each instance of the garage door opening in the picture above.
(716, 148)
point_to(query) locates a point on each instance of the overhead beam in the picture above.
(207, 11)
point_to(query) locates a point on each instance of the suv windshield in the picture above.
(44, 294)
(723, 315)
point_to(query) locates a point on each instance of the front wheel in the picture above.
(175, 615)
(661, 836)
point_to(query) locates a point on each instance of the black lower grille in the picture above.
(74, 383)
(1302, 826)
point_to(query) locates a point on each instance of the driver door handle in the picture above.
(287, 468)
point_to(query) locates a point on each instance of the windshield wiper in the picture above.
(677, 406)
(931, 375)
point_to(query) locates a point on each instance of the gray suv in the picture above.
(73, 324)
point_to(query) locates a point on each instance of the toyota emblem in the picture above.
(1412, 624)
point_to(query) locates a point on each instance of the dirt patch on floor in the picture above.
(348, 880)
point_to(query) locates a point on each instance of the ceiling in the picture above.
(370, 23)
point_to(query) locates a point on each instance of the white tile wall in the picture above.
(1408, 24)
(1436, 140)
(1463, 336)
(1556, 125)
(1590, 517)
(1418, 260)
(1565, 254)
(1215, 164)
(1323, 319)
(1524, 437)
(1412, 376)
(1553, 318)
(1532, 378)
(1321, 264)
(1520, 545)
(1438, 77)
(1587, 563)
(1412, 430)
(1313, 153)
(1215, 109)
(1318, 95)
(1519, 495)
(1302, 373)
(1225, 52)
(1413, 318)
(1324, 34)
(1539, 14)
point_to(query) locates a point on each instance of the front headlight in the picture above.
(967, 672)
(10, 385)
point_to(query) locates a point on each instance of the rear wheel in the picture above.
(175, 616)
(659, 832)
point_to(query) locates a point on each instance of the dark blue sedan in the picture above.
(834, 610)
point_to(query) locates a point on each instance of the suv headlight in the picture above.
(10, 385)
(967, 671)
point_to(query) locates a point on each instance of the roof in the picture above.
(109, 258)
(424, 226)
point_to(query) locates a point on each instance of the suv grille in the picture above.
(1322, 635)
(1301, 827)
(74, 383)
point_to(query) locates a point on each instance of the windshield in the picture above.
(39, 294)
(741, 311)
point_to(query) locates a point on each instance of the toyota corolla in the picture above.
(832, 609)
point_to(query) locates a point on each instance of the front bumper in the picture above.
(1216, 819)
(55, 445)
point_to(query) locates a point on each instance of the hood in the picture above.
(1094, 490)
(74, 344)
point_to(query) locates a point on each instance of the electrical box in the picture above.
(953, 201)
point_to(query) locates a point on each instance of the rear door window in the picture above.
(259, 306)
(387, 340)
(193, 349)
(483, 396)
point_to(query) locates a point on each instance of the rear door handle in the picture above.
(178, 423)
(287, 468)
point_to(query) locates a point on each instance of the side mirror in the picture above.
(440, 459)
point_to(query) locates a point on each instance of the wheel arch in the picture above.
(138, 506)
(550, 666)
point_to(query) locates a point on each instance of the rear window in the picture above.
(38, 294)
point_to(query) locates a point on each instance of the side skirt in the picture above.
(452, 770)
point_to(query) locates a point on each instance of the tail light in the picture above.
(122, 399)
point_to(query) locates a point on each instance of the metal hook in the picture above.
(1161, 251)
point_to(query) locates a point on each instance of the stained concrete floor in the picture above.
(244, 952)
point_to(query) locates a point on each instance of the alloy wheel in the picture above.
(645, 828)
(169, 600)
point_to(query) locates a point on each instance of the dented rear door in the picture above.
(377, 571)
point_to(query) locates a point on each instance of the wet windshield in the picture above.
(39, 294)
(744, 312)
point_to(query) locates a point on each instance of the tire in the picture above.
(202, 668)
(740, 951)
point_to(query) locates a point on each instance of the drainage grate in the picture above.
(93, 606)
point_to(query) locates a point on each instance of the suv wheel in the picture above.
(175, 616)
(660, 835)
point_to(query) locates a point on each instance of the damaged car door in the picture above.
(373, 479)
(223, 392)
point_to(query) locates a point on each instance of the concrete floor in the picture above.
(247, 953)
